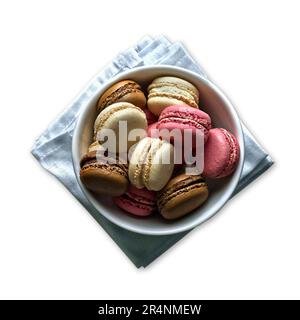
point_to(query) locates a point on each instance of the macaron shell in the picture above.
(110, 118)
(186, 128)
(115, 87)
(142, 195)
(153, 131)
(137, 98)
(167, 128)
(140, 202)
(132, 207)
(145, 165)
(185, 202)
(102, 174)
(122, 91)
(103, 180)
(109, 114)
(221, 154)
(183, 117)
(185, 111)
(160, 172)
(234, 155)
(166, 91)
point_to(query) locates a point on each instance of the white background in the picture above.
(50, 247)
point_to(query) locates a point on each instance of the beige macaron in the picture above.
(120, 118)
(167, 91)
(151, 164)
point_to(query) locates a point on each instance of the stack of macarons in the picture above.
(135, 174)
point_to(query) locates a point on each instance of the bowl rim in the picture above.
(228, 191)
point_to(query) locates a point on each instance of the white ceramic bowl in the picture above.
(222, 113)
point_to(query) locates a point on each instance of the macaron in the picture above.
(183, 117)
(183, 194)
(139, 202)
(167, 91)
(112, 117)
(102, 176)
(122, 91)
(221, 154)
(151, 164)
(152, 130)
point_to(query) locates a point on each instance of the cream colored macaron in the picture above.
(151, 164)
(120, 118)
(167, 91)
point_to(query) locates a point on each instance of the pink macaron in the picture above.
(221, 154)
(152, 130)
(139, 202)
(183, 117)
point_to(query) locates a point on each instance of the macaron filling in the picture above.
(133, 207)
(174, 90)
(155, 146)
(179, 86)
(178, 97)
(111, 168)
(191, 182)
(139, 166)
(204, 125)
(136, 204)
(92, 161)
(138, 199)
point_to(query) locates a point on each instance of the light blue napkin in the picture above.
(53, 148)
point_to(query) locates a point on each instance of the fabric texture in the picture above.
(53, 148)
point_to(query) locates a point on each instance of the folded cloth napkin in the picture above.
(53, 148)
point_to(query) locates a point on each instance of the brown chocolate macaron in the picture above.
(183, 194)
(122, 91)
(102, 176)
